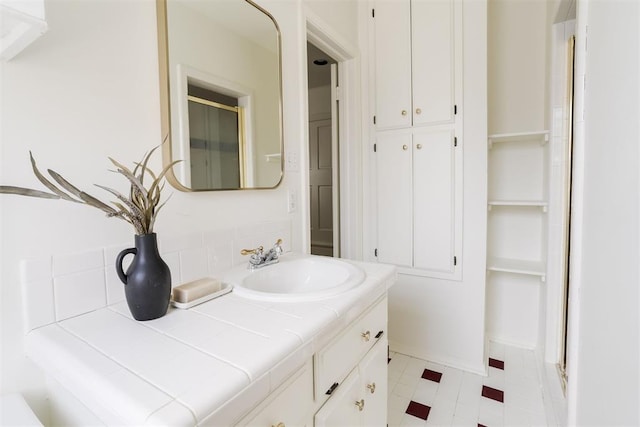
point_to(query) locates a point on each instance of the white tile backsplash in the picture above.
(193, 265)
(40, 310)
(66, 285)
(79, 293)
(74, 263)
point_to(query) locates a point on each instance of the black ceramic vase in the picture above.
(147, 280)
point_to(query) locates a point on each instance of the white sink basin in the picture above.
(296, 278)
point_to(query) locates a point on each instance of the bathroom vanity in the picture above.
(234, 360)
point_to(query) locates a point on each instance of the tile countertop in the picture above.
(207, 365)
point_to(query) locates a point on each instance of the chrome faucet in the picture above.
(260, 259)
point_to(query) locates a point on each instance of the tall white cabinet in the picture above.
(418, 144)
(516, 235)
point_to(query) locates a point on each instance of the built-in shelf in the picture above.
(507, 265)
(275, 157)
(522, 203)
(542, 135)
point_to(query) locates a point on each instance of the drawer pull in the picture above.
(403, 112)
(372, 387)
(331, 389)
(360, 404)
(366, 335)
(379, 334)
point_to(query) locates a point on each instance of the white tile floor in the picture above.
(457, 399)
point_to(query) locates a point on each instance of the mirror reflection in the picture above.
(221, 94)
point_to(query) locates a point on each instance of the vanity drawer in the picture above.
(340, 356)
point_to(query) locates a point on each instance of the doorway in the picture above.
(324, 191)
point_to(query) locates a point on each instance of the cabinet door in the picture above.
(344, 407)
(373, 375)
(434, 182)
(392, 34)
(395, 205)
(433, 76)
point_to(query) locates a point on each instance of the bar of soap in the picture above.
(191, 291)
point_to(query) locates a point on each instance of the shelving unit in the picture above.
(518, 198)
(517, 224)
(517, 266)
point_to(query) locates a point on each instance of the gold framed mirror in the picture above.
(220, 94)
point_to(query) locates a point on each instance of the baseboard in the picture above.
(479, 369)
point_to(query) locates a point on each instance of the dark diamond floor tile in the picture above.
(418, 410)
(431, 375)
(495, 363)
(492, 393)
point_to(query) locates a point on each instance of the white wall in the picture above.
(443, 320)
(604, 330)
(517, 35)
(88, 89)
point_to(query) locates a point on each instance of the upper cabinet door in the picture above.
(416, 48)
(392, 33)
(433, 71)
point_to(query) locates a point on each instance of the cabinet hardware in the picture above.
(455, 260)
(405, 147)
(360, 404)
(379, 334)
(404, 112)
(373, 13)
(419, 146)
(455, 110)
(375, 148)
(331, 389)
(366, 335)
(374, 120)
(418, 111)
(372, 387)
(375, 252)
(278, 425)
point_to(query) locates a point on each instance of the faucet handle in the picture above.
(255, 251)
(278, 246)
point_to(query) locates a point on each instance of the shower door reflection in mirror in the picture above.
(221, 94)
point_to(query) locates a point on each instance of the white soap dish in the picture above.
(199, 291)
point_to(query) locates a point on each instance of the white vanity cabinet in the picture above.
(418, 135)
(416, 66)
(345, 386)
(361, 400)
(351, 374)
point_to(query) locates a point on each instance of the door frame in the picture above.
(349, 150)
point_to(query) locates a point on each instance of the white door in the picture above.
(432, 29)
(373, 376)
(434, 200)
(395, 198)
(321, 188)
(392, 63)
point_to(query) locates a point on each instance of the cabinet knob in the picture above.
(419, 146)
(418, 111)
(366, 335)
(360, 404)
(404, 112)
(405, 147)
(372, 387)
